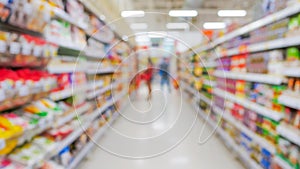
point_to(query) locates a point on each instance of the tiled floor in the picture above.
(164, 135)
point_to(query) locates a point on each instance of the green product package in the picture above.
(293, 54)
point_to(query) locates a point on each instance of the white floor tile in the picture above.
(167, 135)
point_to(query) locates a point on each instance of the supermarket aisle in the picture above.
(155, 132)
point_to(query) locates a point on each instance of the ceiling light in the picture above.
(158, 34)
(177, 26)
(138, 26)
(232, 13)
(214, 25)
(142, 38)
(126, 14)
(183, 13)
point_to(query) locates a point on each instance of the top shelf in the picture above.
(66, 17)
(291, 10)
(11, 28)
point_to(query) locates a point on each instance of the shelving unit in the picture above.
(68, 101)
(252, 77)
(277, 116)
(243, 93)
(241, 154)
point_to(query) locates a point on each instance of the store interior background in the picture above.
(70, 69)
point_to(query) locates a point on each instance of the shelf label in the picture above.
(2, 144)
(223, 52)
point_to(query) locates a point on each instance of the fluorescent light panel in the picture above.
(127, 14)
(214, 25)
(138, 26)
(183, 13)
(157, 34)
(232, 13)
(177, 26)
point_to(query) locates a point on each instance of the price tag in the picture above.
(15, 48)
(3, 46)
(2, 144)
(224, 52)
(2, 95)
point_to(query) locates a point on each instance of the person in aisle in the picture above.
(148, 77)
(164, 73)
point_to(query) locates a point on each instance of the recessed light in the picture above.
(138, 26)
(127, 14)
(214, 25)
(183, 13)
(232, 13)
(177, 25)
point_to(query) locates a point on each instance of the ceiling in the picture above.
(157, 11)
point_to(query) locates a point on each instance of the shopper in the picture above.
(148, 76)
(164, 73)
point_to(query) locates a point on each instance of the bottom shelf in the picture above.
(242, 154)
(80, 156)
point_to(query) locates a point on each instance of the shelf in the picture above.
(242, 154)
(209, 83)
(65, 68)
(197, 94)
(204, 98)
(66, 17)
(87, 148)
(19, 30)
(59, 95)
(77, 112)
(94, 93)
(263, 46)
(101, 71)
(258, 139)
(289, 133)
(290, 100)
(277, 116)
(292, 71)
(291, 10)
(82, 127)
(252, 77)
(278, 160)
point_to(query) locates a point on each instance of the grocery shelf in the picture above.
(59, 95)
(290, 100)
(204, 98)
(209, 83)
(278, 160)
(94, 93)
(87, 148)
(210, 64)
(291, 10)
(77, 112)
(253, 77)
(291, 71)
(289, 133)
(101, 70)
(242, 154)
(263, 46)
(65, 68)
(197, 94)
(82, 127)
(277, 116)
(258, 139)
(66, 17)
(19, 30)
